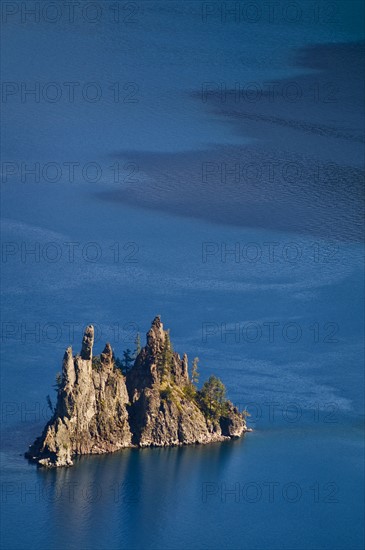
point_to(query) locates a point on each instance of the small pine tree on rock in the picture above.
(58, 383)
(166, 357)
(194, 372)
(138, 345)
(127, 361)
(213, 394)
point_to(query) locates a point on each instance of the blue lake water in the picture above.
(260, 274)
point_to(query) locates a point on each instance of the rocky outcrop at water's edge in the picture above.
(100, 409)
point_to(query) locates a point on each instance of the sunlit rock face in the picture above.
(99, 410)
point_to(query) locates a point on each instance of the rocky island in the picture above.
(100, 409)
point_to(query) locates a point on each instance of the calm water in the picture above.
(280, 320)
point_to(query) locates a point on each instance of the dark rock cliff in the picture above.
(99, 410)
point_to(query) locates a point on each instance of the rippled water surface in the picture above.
(239, 220)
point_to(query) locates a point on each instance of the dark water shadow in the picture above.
(302, 171)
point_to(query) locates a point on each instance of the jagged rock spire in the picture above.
(87, 343)
(156, 335)
(99, 410)
(108, 350)
(106, 357)
(157, 321)
(68, 368)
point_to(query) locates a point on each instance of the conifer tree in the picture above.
(165, 358)
(58, 381)
(194, 372)
(214, 393)
(138, 345)
(128, 360)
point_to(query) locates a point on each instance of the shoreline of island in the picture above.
(146, 399)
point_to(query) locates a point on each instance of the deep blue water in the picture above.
(280, 320)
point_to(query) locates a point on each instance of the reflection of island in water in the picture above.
(123, 488)
(303, 171)
(156, 404)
